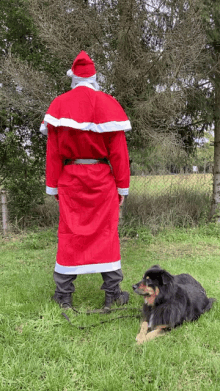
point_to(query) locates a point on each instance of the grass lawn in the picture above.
(40, 350)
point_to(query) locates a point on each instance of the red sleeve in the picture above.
(119, 159)
(54, 162)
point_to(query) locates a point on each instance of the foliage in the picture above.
(22, 172)
(22, 154)
(164, 157)
(159, 59)
(152, 55)
(204, 158)
(212, 26)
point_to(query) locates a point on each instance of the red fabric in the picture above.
(84, 105)
(66, 143)
(88, 198)
(89, 211)
(83, 65)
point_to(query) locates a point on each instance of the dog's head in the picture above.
(153, 281)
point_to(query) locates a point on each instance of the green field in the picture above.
(41, 351)
(157, 184)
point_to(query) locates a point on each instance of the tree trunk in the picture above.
(215, 208)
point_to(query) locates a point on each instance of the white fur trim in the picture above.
(43, 128)
(69, 73)
(88, 269)
(51, 190)
(91, 81)
(85, 84)
(123, 191)
(111, 126)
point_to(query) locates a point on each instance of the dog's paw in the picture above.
(155, 333)
(141, 337)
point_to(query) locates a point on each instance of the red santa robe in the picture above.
(87, 124)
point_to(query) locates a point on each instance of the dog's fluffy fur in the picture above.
(169, 301)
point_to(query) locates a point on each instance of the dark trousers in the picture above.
(111, 280)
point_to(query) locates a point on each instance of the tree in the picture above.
(22, 154)
(204, 156)
(150, 55)
(146, 57)
(211, 14)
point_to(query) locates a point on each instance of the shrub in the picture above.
(179, 208)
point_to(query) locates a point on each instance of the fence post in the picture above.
(4, 212)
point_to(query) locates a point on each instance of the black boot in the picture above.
(121, 298)
(64, 300)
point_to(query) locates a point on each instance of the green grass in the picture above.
(163, 184)
(40, 350)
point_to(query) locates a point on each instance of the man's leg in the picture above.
(64, 289)
(112, 289)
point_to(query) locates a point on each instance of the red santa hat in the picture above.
(83, 69)
(83, 66)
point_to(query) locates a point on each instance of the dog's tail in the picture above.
(209, 305)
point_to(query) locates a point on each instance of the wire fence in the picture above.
(155, 200)
(163, 184)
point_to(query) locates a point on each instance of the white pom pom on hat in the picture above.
(69, 73)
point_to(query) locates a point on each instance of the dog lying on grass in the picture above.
(169, 301)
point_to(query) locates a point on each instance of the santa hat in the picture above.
(83, 70)
(83, 66)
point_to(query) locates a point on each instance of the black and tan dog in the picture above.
(169, 301)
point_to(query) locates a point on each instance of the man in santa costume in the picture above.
(87, 170)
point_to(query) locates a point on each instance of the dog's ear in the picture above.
(155, 267)
(166, 277)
